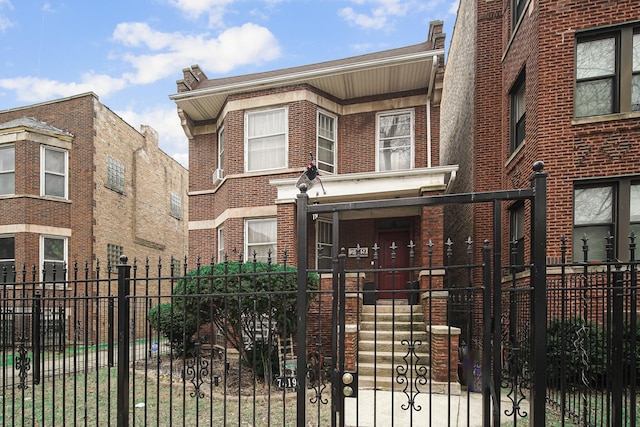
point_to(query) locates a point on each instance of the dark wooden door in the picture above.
(389, 281)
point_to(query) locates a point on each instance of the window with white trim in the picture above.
(7, 170)
(517, 10)
(607, 72)
(326, 142)
(220, 244)
(54, 172)
(324, 239)
(221, 142)
(115, 175)
(7, 259)
(266, 133)
(395, 140)
(261, 236)
(53, 253)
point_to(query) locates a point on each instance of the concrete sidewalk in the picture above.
(385, 408)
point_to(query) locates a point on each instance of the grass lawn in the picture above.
(91, 399)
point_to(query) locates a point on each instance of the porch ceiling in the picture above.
(371, 186)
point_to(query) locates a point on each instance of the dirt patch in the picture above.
(204, 373)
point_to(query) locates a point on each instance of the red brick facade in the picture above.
(541, 44)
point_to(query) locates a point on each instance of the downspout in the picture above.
(428, 131)
(432, 80)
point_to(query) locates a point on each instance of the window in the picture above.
(635, 79)
(266, 139)
(176, 206)
(518, 113)
(326, 142)
(612, 206)
(608, 72)
(7, 170)
(221, 244)
(593, 217)
(221, 148)
(7, 259)
(261, 236)
(113, 254)
(54, 172)
(54, 258)
(115, 175)
(517, 8)
(516, 236)
(324, 237)
(394, 141)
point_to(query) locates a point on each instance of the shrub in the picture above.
(584, 347)
(235, 297)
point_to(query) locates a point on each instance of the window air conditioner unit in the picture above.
(218, 174)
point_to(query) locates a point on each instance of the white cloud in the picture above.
(235, 46)
(5, 21)
(164, 119)
(35, 89)
(215, 9)
(453, 8)
(381, 14)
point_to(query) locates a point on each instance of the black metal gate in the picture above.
(462, 349)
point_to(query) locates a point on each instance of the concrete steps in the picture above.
(386, 360)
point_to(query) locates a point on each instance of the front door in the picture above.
(393, 280)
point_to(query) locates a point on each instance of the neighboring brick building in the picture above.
(557, 81)
(372, 122)
(79, 184)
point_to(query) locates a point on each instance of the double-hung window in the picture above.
(7, 259)
(326, 142)
(266, 133)
(54, 172)
(395, 140)
(518, 113)
(606, 207)
(261, 236)
(607, 72)
(7, 169)
(53, 252)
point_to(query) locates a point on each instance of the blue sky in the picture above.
(130, 53)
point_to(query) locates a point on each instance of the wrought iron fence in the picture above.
(217, 344)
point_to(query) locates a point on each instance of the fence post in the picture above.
(35, 341)
(302, 201)
(487, 391)
(124, 271)
(539, 295)
(616, 348)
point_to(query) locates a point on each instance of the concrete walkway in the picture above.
(385, 408)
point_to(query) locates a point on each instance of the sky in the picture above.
(131, 52)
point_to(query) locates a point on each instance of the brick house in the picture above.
(250, 137)
(80, 184)
(557, 81)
